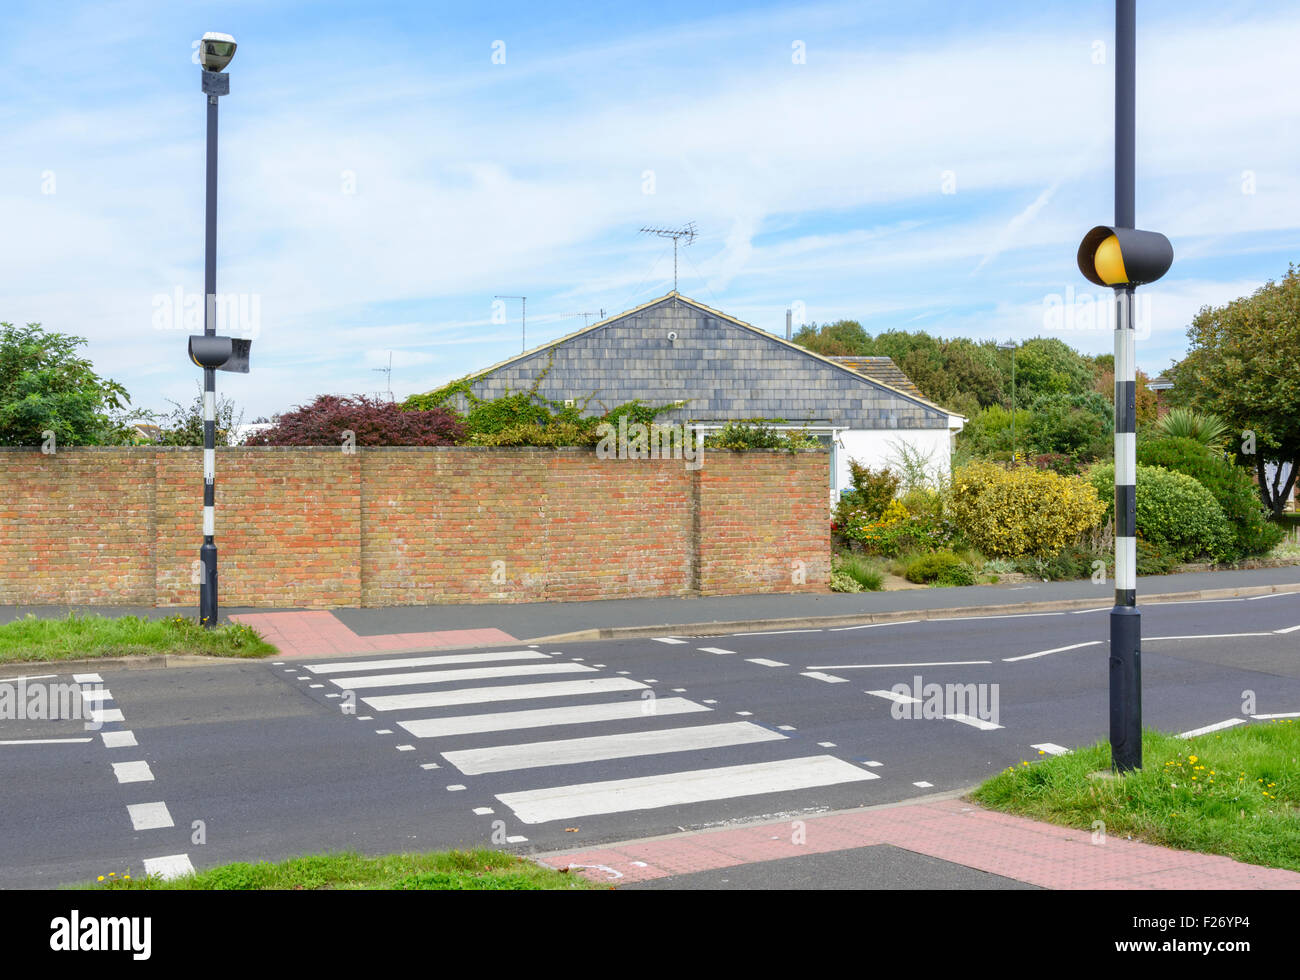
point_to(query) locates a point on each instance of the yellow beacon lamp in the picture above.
(1122, 257)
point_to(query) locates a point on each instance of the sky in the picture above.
(387, 169)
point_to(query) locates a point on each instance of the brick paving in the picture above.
(321, 634)
(952, 830)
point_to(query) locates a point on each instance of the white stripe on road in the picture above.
(132, 772)
(958, 619)
(1271, 595)
(717, 650)
(680, 788)
(91, 697)
(83, 678)
(564, 752)
(1051, 748)
(465, 674)
(171, 866)
(933, 663)
(117, 740)
(1205, 636)
(1080, 612)
(764, 662)
(43, 741)
(513, 692)
(901, 622)
(547, 717)
(666, 639)
(1216, 727)
(101, 715)
(150, 816)
(26, 677)
(895, 696)
(980, 723)
(1293, 714)
(1044, 653)
(1289, 629)
(817, 675)
(456, 658)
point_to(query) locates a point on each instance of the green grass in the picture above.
(79, 637)
(862, 570)
(477, 870)
(1235, 792)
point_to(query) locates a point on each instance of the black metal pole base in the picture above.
(1125, 688)
(208, 585)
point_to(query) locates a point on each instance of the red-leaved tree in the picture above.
(373, 421)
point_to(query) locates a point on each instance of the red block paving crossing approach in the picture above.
(952, 830)
(321, 634)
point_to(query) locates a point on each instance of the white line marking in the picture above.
(460, 658)
(406, 748)
(819, 676)
(873, 763)
(101, 715)
(1044, 653)
(514, 692)
(430, 765)
(383, 731)
(565, 752)
(980, 723)
(84, 678)
(447, 676)
(314, 686)
(1051, 748)
(93, 697)
(775, 632)
(826, 745)
(1289, 629)
(171, 866)
(483, 811)
(1217, 726)
(548, 717)
(455, 788)
(132, 772)
(959, 619)
(786, 728)
(1080, 612)
(149, 816)
(516, 839)
(118, 740)
(933, 663)
(1271, 595)
(764, 662)
(895, 696)
(666, 639)
(746, 713)
(867, 626)
(1293, 714)
(680, 788)
(717, 650)
(44, 741)
(26, 677)
(924, 785)
(1206, 636)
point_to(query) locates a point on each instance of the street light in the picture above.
(1123, 258)
(207, 350)
(1011, 345)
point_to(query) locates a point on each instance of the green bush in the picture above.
(870, 492)
(861, 571)
(940, 568)
(1074, 561)
(1174, 512)
(1232, 488)
(758, 435)
(1024, 511)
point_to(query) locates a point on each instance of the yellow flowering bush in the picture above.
(1024, 511)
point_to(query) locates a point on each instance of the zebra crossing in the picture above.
(551, 738)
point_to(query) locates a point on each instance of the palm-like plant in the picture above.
(1204, 427)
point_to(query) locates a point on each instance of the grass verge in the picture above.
(477, 870)
(1235, 792)
(78, 637)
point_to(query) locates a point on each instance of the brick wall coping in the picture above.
(387, 449)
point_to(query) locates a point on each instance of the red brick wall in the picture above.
(382, 527)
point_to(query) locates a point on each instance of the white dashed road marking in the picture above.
(150, 816)
(132, 772)
(1044, 653)
(1216, 727)
(1051, 748)
(171, 866)
(819, 676)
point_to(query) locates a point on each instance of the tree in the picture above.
(1243, 366)
(843, 338)
(183, 426)
(45, 386)
(1047, 365)
(372, 422)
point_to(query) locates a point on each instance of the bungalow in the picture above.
(675, 349)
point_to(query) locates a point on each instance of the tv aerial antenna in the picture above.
(586, 317)
(388, 375)
(686, 234)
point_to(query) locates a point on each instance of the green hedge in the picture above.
(1173, 511)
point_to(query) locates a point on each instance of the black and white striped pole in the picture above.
(208, 351)
(1123, 258)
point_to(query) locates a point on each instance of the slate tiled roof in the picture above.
(721, 367)
(884, 369)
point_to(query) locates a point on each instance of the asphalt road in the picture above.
(541, 748)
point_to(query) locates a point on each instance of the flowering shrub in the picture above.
(1024, 511)
(373, 421)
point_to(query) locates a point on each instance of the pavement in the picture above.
(682, 743)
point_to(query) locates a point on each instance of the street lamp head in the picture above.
(1008, 345)
(216, 50)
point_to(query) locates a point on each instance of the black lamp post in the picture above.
(1123, 258)
(209, 351)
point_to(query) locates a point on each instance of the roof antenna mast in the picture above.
(686, 232)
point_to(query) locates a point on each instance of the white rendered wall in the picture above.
(875, 447)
